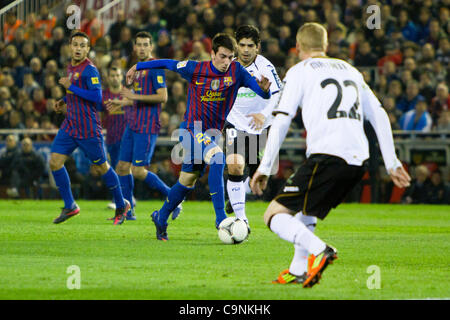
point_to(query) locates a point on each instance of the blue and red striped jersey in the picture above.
(82, 120)
(143, 117)
(211, 93)
(114, 122)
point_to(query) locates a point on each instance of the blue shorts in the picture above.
(195, 150)
(114, 151)
(137, 148)
(93, 148)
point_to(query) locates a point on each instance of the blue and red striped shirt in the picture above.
(82, 120)
(211, 93)
(115, 122)
(143, 117)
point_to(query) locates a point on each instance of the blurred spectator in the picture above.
(426, 86)
(92, 26)
(443, 51)
(443, 123)
(274, 54)
(177, 118)
(39, 102)
(45, 21)
(177, 94)
(164, 47)
(46, 124)
(8, 160)
(30, 167)
(406, 26)
(164, 122)
(36, 70)
(436, 189)
(116, 27)
(408, 102)
(285, 39)
(410, 65)
(440, 103)
(198, 52)
(427, 55)
(416, 192)
(210, 23)
(392, 53)
(418, 119)
(423, 25)
(364, 56)
(10, 26)
(15, 120)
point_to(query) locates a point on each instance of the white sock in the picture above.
(247, 185)
(236, 194)
(299, 264)
(289, 228)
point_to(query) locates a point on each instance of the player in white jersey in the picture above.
(334, 101)
(248, 120)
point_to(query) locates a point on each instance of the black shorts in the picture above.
(321, 183)
(250, 146)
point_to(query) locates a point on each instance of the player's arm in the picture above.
(261, 88)
(184, 68)
(91, 78)
(284, 113)
(113, 105)
(159, 97)
(379, 120)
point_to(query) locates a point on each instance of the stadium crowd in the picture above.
(405, 61)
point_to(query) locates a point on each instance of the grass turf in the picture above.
(409, 244)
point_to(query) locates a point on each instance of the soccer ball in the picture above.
(233, 230)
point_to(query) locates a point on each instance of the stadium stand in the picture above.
(405, 62)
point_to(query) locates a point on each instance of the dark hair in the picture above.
(223, 40)
(143, 34)
(78, 33)
(114, 68)
(248, 31)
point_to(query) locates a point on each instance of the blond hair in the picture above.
(312, 37)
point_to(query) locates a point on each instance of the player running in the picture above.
(81, 128)
(334, 100)
(143, 106)
(248, 120)
(213, 86)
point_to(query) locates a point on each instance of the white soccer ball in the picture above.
(233, 230)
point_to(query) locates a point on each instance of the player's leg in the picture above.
(123, 167)
(95, 151)
(176, 195)
(235, 184)
(63, 145)
(113, 151)
(144, 147)
(299, 264)
(215, 158)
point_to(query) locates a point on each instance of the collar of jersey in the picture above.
(215, 70)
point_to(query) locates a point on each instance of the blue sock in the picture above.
(112, 182)
(154, 182)
(216, 185)
(62, 181)
(176, 195)
(127, 185)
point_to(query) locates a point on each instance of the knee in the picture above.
(55, 163)
(235, 164)
(139, 173)
(123, 168)
(187, 180)
(101, 169)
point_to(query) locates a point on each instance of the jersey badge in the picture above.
(228, 81)
(160, 79)
(93, 79)
(181, 64)
(215, 84)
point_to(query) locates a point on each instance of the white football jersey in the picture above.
(334, 100)
(248, 102)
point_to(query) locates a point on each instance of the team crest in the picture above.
(143, 73)
(228, 81)
(76, 76)
(215, 84)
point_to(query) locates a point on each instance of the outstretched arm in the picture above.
(184, 68)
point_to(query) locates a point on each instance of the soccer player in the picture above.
(143, 106)
(81, 128)
(334, 101)
(213, 86)
(113, 122)
(248, 119)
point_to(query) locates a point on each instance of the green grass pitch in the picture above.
(409, 244)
